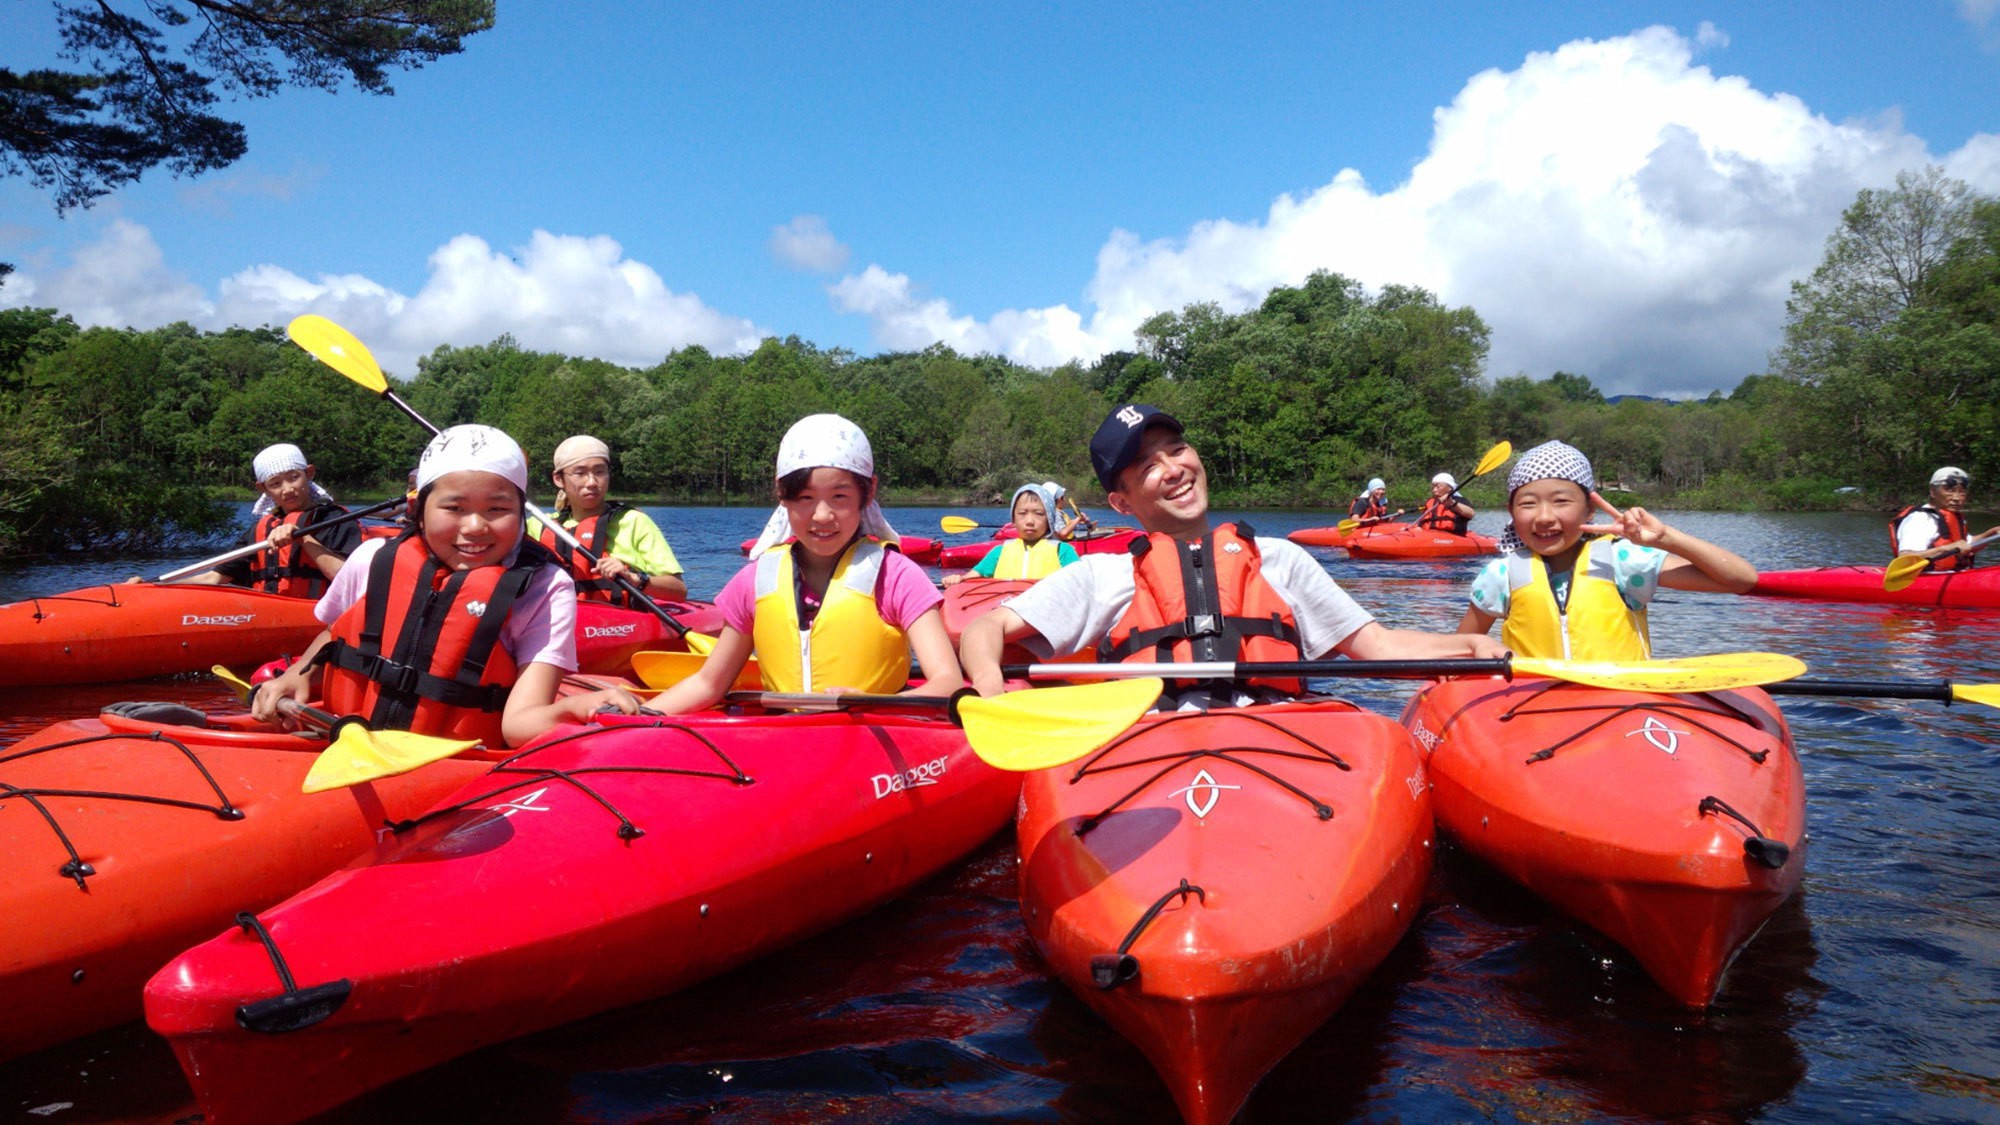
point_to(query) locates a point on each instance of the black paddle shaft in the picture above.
(1939, 690)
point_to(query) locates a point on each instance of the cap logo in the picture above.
(1130, 416)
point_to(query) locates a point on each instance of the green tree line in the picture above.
(1890, 365)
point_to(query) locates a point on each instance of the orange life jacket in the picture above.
(1368, 508)
(1950, 529)
(288, 571)
(595, 533)
(1439, 515)
(1204, 601)
(421, 650)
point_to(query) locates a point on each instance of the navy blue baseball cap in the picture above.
(1116, 443)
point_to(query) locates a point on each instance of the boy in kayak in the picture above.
(625, 540)
(1571, 590)
(826, 601)
(1936, 531)
(1195, 592)
(1070, 525)
(1372, 506)
(1032, 553)
(298, 566)
(1446, 510)
(492, 614)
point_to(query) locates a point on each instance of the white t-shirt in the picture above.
(1634, 569)
(1916, 530)
(1076, 607)
(540, 630)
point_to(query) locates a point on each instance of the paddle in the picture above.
(665, 669)
(1495, 457)
(337, 348)
(356, 753)
(264, 544)
(958, 525)
(1944, 691)
(1021, 730)
(1904, 569)
(1719, 672)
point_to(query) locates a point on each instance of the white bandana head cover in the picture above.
(1039, 492)
(1373, 484)
(1551, 460)
(580, 448)
(269, 462)
(824, 441)
(1055, 490)
(472, 448)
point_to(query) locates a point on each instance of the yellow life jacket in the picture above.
(1018, 561)
(848, 645)
(1595, 625)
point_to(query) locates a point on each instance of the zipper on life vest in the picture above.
(806, 659)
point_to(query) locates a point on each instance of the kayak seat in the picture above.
(158, 711)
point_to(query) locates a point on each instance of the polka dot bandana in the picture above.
(1551, 460)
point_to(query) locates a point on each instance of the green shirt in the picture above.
(635, 538)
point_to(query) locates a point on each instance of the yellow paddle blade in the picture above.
(1495, 457)
(235, 681)
(1036, 728)
(1903, 570)
(337, 348)
(700, 643)
(1989, 694)
(953, 525)
(665, 669)
(1347, 525)
(1720, 672)
(359, 754)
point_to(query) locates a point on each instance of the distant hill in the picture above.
(1639, 398)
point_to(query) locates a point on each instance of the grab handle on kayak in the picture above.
(1760, 848)
(1109, 970)
(296, 1007)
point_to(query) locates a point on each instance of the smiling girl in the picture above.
(460, 627)
(826, 603)
(1570, 590)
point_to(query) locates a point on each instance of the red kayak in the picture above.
(1216, 885)
(923, 552)
(127, 632)
(595, 868)
(122, 842)
(1954, 589)
(608, 635)
(1103, 540)
(1672, 824)
(1407, 542)
(1334, 537)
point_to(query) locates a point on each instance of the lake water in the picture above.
(1874, 994)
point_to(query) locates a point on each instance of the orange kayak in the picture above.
(120, 632)
(1216, 885)
(1672, 824)
(1334, 537)
(124, 842)
(1406, 542)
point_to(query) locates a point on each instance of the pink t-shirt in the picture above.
(542, 625)
(903, 593)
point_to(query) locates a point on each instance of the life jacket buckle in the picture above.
(1204, 625)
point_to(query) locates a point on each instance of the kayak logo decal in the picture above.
(1210, 791)
(925, 773)
(228, 619)
(1653, 730)
(521, 804)
(609, 630)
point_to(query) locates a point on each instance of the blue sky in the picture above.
(1624, 190)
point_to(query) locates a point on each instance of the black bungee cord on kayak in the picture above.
(76, 868)
(1109, 970)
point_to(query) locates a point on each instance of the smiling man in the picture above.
(1189, 591)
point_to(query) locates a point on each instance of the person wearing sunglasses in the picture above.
(1936, 530)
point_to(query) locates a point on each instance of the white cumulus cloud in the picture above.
(558, 293)
(1609, 208)
(806, 244)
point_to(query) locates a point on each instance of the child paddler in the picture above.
(1033, 552)
(625, 540)
(826, 602)
(296, 566)
(460, 627)
(1571, 590)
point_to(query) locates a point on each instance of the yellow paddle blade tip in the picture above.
(1039, 728)
(1988, 694)
(1719, 672)
(359, 755)
(235, 681)
(665, 669)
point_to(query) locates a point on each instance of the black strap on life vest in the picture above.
(404, 676)
(588, 584)
(270, 567)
